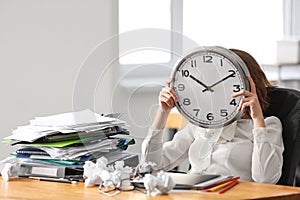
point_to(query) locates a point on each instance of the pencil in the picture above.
(219, 186)
(219, 183)
(228, 187)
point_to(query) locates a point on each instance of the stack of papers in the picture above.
(70, 139)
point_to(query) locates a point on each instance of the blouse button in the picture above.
(209, 133)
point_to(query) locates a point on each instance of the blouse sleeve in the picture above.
(267, 159)
(169, 154)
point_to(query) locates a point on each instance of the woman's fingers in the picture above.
(250, 101)
(245, 102)
(173, 95)
(245, 93)
(167, 96)
(168, 82)
(170, 92)
(252, 85)
(168, 102)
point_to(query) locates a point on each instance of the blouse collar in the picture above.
(226, 135)
(229, 131)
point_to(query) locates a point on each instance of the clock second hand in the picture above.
(205, 86)
(223, 79)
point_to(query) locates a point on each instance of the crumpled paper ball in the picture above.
(161, 183)
(145, 168)
(9, 168)
(111, 177)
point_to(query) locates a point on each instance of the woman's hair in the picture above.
(261, 82)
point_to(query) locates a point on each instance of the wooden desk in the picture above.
(24, 188)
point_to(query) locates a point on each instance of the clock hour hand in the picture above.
(220, 81)
(205, 86)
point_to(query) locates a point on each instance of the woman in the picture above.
(251, 147)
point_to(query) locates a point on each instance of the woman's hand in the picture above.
(251, 101)
(167, 97)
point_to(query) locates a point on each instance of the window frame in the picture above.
(154, 78)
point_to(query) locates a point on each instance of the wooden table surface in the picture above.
(25, 188)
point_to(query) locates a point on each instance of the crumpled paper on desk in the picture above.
(118, 177)
(100, 173)
(145, 167)
(159, 184)
(9, 168)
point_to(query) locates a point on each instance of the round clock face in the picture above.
(204, 81)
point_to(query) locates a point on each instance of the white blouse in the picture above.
(238, 150)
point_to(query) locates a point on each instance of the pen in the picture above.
(228, 187)
(219, 186)
(138, 189)
(219, 183)
(53, 179)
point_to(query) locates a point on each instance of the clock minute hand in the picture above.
(205, 86)
(220, 81)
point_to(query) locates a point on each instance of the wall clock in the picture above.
(204, 81)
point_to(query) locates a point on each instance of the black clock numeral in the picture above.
(210, 116)
(233, 102)
(196, 110)
(207, 59)
(181, 87)
(193, 63)
(232, 73)
(185, 73)
(186, 101)
(237, 88)
(223, 112)
(221, 62)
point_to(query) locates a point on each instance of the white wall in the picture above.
(42, 46)
(59, 56)
(293, 28)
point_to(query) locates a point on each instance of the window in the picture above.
(148, 38)
(144, 14)
(250, 25)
